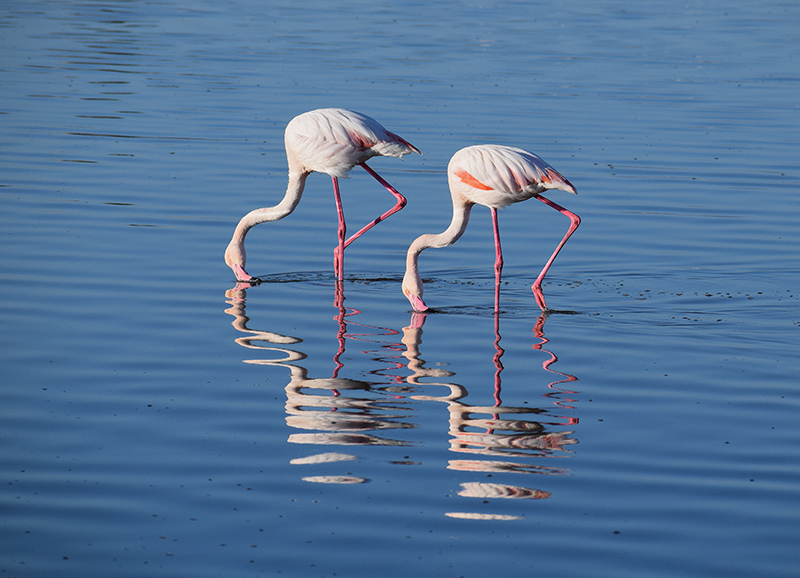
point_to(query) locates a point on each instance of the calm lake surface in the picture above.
(158, 421)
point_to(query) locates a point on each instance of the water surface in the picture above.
(156, 421)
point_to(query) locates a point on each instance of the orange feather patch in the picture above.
(470, 180)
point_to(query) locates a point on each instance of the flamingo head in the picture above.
(412, 289)
(235, 258)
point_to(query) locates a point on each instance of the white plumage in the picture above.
(332, 141)
(495, 176)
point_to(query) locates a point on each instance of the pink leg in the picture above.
(575, 221)
(498, 262)
(401, 202)
(338, 252)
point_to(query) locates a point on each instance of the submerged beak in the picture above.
(241, 274)
(416, 302)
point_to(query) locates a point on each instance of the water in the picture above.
(156, 422)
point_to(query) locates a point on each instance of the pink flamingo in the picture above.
(332, 141)
(494, 176)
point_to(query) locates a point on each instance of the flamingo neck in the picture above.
(294, 192)
(412, 282)
(235, 255)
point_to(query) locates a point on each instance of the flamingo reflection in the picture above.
(494, 438)
(331, 410)
(501, 438)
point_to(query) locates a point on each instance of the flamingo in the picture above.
(494, 176)
(332, 141)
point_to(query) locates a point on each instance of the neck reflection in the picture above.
(329, 411)
(498, 438)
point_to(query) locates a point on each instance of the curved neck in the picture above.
(458, 225)
(294, 192)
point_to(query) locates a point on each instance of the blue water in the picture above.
(155, 421)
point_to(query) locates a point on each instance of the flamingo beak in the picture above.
(241, 274)
(416, 302)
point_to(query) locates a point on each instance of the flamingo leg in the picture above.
(498, 262)
(338, 252)
(575, 220)
(401, 202)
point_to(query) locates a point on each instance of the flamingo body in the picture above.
(331, 141)
(498, 176)
(334, 140)
(494, 176)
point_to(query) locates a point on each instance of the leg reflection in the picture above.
(327, 411)
(520, 436)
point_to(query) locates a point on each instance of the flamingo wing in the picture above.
(497, 176)
(334, 140)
